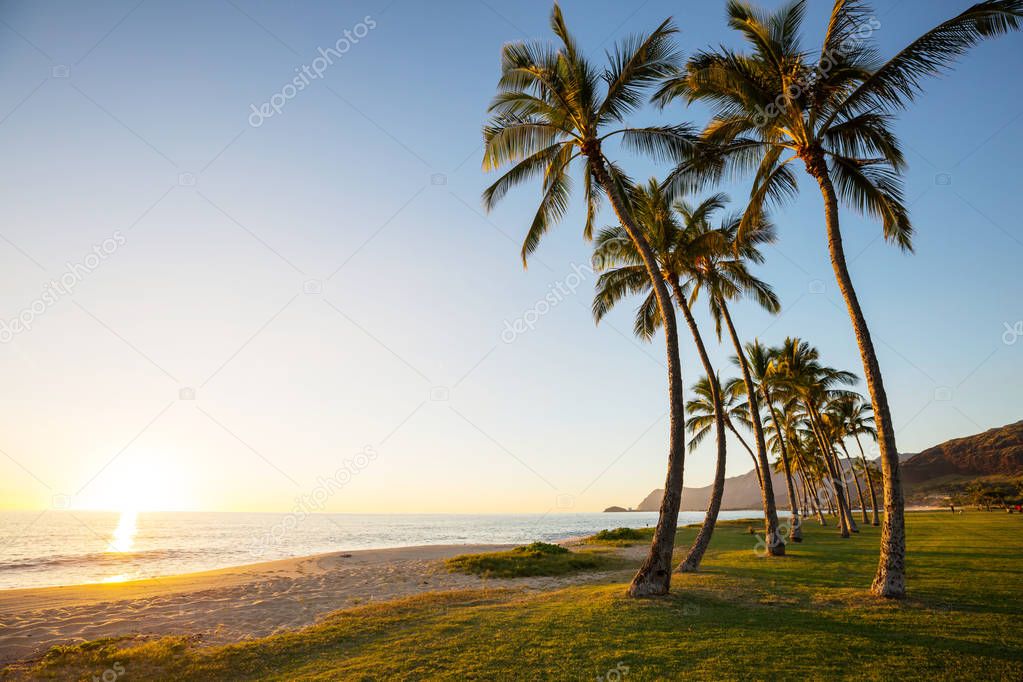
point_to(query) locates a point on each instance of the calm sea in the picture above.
(67, 548)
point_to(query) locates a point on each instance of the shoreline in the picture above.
(248, 601)
(241, 602)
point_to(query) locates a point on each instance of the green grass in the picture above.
(539, 558)
(805, 616)
(621, 537)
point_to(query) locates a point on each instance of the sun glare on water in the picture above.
(124, 535)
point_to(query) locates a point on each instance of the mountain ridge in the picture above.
(996, 451)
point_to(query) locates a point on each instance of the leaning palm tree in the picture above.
(859, 420)
(701, 414)
(844, 410)
(836, 429)
(725, 277)
(677, 246)
(762, 368)
(834, 113)
(554, 107)
(800, 371)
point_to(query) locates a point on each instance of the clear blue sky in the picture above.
(327, 281)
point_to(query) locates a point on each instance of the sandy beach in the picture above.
(237, 603)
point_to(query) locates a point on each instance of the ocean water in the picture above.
(67, 548)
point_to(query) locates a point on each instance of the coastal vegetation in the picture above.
(621, 537)
(538, 558)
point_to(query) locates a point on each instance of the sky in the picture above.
(239, 291)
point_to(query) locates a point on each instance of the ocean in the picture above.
(51, 548)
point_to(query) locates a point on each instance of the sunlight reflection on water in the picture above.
(124, 534)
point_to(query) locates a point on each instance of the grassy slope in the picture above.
(805, 616)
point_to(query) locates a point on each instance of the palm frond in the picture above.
(636, 64)
(898, 81)
(873, 188)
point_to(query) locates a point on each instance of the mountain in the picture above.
(996, 452)
(741, 492)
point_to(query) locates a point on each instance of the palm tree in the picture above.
(554, 107)
(814, 384)
(701, 415)
(725, 276)
(860, 421)
(762, 367)
(835, 427)
(834, 114)
(845, 410)
(677, 247)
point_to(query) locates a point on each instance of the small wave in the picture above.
(92, 559)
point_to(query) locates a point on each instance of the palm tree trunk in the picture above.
(695, 555)
(753, 456)
(795, 531)
(835, 487)
(813, 503)
(845, 484)
(870, 483)
(654, 576)
(775, 543)
(890, 579)
(859, 488)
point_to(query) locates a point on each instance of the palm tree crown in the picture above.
(831, 109)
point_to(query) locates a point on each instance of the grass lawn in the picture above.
(805, 616)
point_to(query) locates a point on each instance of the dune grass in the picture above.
(538, 558)
(804, 616)
(621, 537)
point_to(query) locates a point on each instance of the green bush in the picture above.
(622, 537)
(538, 558)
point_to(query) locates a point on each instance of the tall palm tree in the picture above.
(815, 384)
(844, 409)
(835, 428)
(554, 107)
(859, 420)
(677, 246)
(725, 276)
(832, 112)
(762, 368)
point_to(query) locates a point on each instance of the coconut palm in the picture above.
(554, 107)
(859, 420)
(725, 277)
(762, 368)
(675, 231)
(815, 384)
(835, 428)
(845, 409)
(701, 415)
(833, 111)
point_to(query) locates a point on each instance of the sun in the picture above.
(145, 481)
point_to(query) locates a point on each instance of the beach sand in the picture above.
(239, 603)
